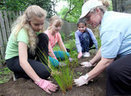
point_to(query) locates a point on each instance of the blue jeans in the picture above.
(60, 55)
(86, 42)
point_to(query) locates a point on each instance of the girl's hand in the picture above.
(46, 85)
(79, 55)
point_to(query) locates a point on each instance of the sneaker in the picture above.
(86, 54)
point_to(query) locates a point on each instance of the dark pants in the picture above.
(38, 61)
(119, 77)
(86, 42)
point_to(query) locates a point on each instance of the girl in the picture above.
(54, 38)
(84, 39)
(25, 48)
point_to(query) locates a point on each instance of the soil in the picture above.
(23, 87)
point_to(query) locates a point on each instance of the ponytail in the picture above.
(105, 3)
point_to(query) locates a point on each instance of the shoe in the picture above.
(86, 54)
(14, 78)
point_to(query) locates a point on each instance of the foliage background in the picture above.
(72, 12)
(69, 13)
(21, 5)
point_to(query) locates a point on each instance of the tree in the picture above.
(118, 5)
(72, 12)
(20, 5)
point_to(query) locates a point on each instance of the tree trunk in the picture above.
(114, 5)
(118, 5)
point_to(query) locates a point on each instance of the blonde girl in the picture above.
(25, 48)
(54, 38)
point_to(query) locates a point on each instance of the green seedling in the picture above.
(62, 75)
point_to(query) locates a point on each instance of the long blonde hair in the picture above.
(23, 22)
(56, 19)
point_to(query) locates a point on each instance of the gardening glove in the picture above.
(86, 64)
(70, 59)
(79, 55)
(62, 64)
(46, 85)
(81, 80)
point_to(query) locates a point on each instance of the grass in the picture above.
(64, 75)
(4, 74)
(65, 78)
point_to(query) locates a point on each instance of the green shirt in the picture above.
(12, 45)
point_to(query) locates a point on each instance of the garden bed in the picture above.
(23, 87)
